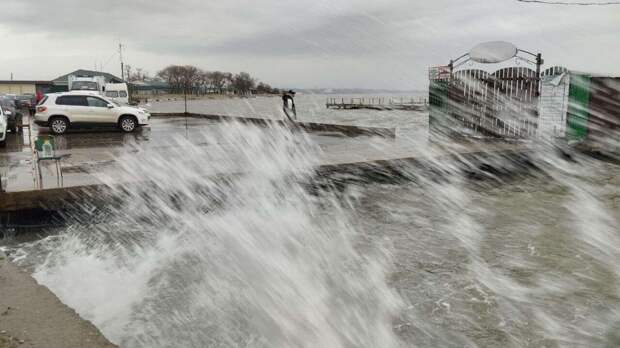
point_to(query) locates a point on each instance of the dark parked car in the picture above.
(27, 101)
(11, 110)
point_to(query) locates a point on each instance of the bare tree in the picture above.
(266, 89)
(203, 82)
(181, 78)
(228, 80)
(190, 79)
(243, 83)
(218, 80)
(128, 73)
(139, 75)
(172, 75)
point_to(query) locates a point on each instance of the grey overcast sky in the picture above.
(300, 43)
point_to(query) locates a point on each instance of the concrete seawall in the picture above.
(53, 199)
(86, 157)
(348, 130)
(32, 316)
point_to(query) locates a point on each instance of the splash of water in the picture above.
(194, 258)
(185, 257)
(531, 262)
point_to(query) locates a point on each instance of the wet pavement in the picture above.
(87, 154)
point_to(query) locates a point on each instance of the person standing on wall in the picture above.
(288, 101)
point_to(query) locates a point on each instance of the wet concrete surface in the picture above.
(32, 316)
(89, 153)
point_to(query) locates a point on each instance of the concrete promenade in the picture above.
(89, 154)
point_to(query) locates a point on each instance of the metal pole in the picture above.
(539, 63)
(185, 97)
(120, 53)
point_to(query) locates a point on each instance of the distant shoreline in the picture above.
(181, 97)
(173, 97)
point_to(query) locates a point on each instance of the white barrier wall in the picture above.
(553, 105)
(17, 88)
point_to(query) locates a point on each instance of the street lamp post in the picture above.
(185, 98)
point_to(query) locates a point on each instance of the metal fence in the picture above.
(503, 103)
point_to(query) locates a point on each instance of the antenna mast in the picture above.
(120, 53)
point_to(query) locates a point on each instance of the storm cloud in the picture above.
(380, 44)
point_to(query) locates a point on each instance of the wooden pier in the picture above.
(376, 103)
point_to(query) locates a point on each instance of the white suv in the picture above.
(61, 111)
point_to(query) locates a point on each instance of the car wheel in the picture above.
(128, 124)
(59, 125)
(3, 143)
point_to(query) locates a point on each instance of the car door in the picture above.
(75, 107)
(99, 111)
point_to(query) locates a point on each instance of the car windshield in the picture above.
(109, 101)
(112, 102)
